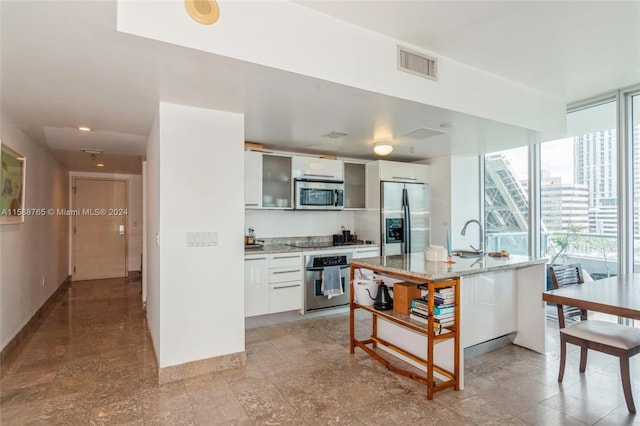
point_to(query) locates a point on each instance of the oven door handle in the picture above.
(320, 268)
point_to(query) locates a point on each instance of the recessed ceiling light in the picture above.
(99, 165)
(84, 129)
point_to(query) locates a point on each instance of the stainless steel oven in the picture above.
(314, 265)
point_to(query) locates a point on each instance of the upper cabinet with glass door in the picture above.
(267, 181)
(354, 185)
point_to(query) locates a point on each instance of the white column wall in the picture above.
(465, 200)
(152, 226)
(455, 198)
(201, 288)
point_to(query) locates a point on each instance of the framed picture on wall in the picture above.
(12, 185)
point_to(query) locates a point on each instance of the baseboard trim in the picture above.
(34, 322)
(201, 367)
(489, 346)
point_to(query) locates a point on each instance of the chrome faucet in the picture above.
(464, 229)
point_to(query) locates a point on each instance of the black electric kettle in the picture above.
(383, 302)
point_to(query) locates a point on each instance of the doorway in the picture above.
(99, 228)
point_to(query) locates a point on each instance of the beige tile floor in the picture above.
(91, 362)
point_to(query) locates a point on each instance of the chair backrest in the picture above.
(562, 276)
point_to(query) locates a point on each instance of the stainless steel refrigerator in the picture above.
(404, 217)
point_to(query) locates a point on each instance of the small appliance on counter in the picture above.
(383, 302)
(435, 254)
(345, 238)
(346, 235)
(250, 241)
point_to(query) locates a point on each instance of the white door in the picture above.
(99, 229)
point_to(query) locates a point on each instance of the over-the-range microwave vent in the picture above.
(417, 63)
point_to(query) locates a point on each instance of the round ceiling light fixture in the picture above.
(205, 12)
(382, 148)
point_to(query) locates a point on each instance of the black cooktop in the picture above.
(311, 245)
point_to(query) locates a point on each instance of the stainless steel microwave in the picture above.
(319, 195)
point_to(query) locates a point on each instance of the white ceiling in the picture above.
(63, 65)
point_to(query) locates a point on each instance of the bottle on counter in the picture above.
(250, 238)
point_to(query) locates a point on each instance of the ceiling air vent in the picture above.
(417, 63)
(334, 135)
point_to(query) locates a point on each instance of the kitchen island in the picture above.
(499, 298)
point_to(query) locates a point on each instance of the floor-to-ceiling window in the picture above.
(578, 192)
(506, 201)
(634, 135)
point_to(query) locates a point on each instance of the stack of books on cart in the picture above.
(443, 310)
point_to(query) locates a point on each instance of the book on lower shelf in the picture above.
(420, 314)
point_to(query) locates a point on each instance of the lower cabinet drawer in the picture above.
(281, 260)
(286, 296)
(280, 275)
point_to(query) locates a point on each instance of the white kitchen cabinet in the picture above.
(256, 285)
(273, 283)
(488, 306)
(285, 282)
(372, 251)
(283, 260)
(252, 179)
(285, 296)
(277, 189)
(354, 185)
(401, 172)
(267, 181)
(316, 168)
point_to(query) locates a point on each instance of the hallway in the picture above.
(91, 361)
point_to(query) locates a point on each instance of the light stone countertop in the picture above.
(414, 265)
(283, 248)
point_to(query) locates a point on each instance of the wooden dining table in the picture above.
(619, 295)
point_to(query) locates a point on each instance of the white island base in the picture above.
(499, 297)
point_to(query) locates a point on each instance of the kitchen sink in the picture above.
(466, 253)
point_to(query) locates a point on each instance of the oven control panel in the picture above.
(321, 262)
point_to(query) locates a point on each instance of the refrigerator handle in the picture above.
(406, 229)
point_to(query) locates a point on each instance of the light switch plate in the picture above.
(202, 239)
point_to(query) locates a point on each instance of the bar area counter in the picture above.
(414, 265)
(499, 299)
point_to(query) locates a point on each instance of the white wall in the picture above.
(455, 199)
(201, 288)
(288, 223)
(440, 199)
(287, 36)
(134, 215)
(152, 225)
(465, 200)
(37, 248)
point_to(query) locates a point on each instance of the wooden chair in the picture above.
(613, 339)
